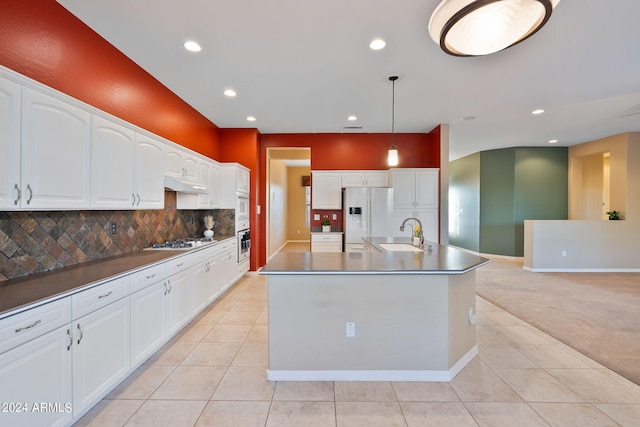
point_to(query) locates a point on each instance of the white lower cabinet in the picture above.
(34, 374)
(59, 359)
(178, 310)
(148, 322)
(101, 353)
(328, 242)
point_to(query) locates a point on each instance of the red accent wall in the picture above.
(362, 151)
(42, 40)
(243, 146)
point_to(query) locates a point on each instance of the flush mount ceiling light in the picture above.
(352, 118)
(251, 119)
(230, 93)
(538, 111)
(392, 154)
(481, 27)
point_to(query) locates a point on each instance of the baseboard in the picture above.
(582, 270)
(374, 375)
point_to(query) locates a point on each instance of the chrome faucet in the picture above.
(419, 225)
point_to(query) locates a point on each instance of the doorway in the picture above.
(288, 197)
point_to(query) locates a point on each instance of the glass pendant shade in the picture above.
(482, 27)
(392, 156)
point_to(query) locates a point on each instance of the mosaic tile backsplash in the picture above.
(35, 242)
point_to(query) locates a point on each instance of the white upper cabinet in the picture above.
(181, 164)
(10, 101)
(126, 168)
(112, 165)
(243, 180)
(55, 153)
(214, 185)
(234, 180)
(365, 179)
(415, 188)
(326, 190)
(149, 176)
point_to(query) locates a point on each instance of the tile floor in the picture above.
(213, 374)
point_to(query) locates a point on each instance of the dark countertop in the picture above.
(440, 260)
(17, 294)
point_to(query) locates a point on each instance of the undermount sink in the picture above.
(399, 247)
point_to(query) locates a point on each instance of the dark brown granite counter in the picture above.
(439, 260)
(16, 294)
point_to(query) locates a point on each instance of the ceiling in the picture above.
(305, 66)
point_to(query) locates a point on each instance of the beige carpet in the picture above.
(597, 314)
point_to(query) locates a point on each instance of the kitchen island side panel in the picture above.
(401, 322)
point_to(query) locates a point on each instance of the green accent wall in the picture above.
(464, 202)
(495, 191)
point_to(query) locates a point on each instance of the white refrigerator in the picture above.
(368, 212)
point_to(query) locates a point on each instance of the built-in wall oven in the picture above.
(244, 245)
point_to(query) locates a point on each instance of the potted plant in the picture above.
(614, 215)
(326, 225)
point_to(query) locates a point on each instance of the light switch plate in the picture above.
(316, 217)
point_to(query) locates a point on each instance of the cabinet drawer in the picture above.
(242, 224)
(322, 238)
(25, 326)
(146, 277)
(178, 264)
(99, 296)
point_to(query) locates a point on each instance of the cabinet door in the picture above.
(214, 185)
(55, 153)
(101, 353)
(199, 287)
(427, 189)
(326, 190)
(35, 372)
(149, 176)
(377, 179)
(430, 221)
(173, 162)
(399, 215)
(353, 179)
(178, 312)
(204, 169)
(403, 189)
(243, 180)
(190, 168)
(148, 322)
(10, 102)
(112, 165)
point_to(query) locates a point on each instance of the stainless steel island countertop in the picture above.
(439, 260)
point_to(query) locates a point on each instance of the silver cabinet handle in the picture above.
(81, 334)
(170, 287)
(138, 197)
(19, 194)
(70, 339)
(152, 276)
(108, 294)
(180, 265)
(165, 288)
(33, 325)
(133, 199)
(30, 193)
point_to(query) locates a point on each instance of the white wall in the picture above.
(277, 205)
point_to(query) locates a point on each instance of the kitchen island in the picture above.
(373, 315)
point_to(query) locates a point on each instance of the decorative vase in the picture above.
(208, 234)
(326, 228)
(416, 241)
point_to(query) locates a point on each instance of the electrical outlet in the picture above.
(472, 316)
(350, 330)
(335, 216)
(316, 217)
(112, 228)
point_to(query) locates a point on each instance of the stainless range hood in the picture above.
(179, 186)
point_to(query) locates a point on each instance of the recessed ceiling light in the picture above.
(251, 119)
(352, 118)
(553, 141)
(230, 93)
(377, 44)
(192, 46)
(539, 111)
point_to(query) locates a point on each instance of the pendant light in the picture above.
(392, 155)
(482, 27)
